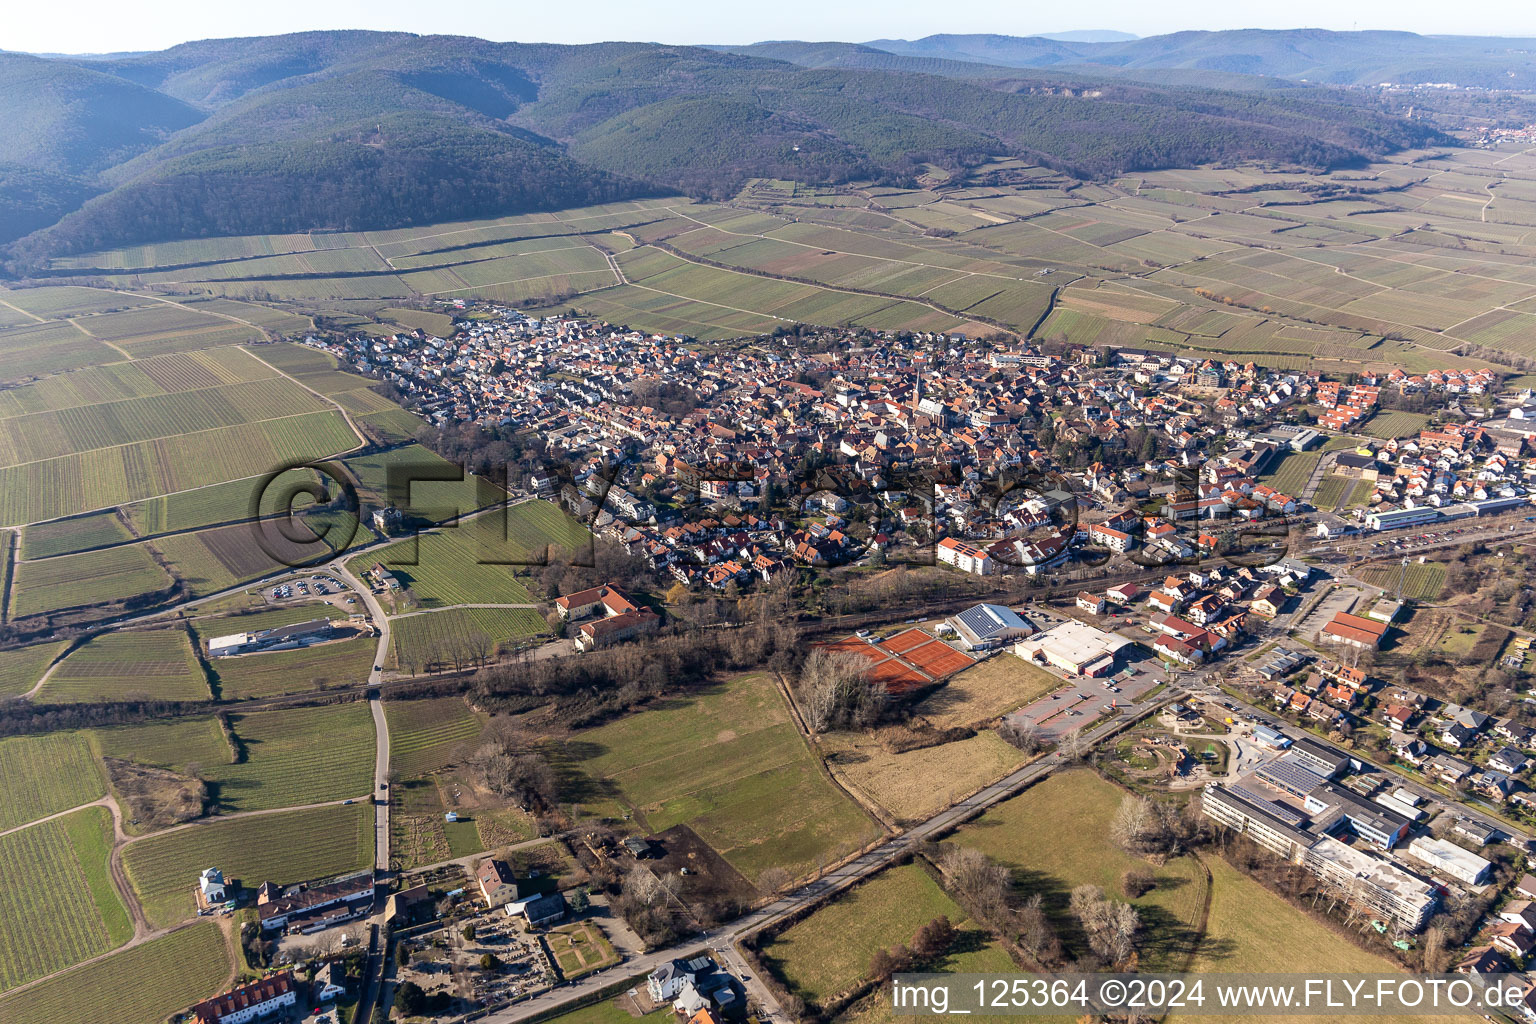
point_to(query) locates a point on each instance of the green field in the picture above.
(729, 763)
(212, 505)
(427, 735)
(418, 471)
(287, 847)
(323, 667)
(829, 952)
(45, 774)
(1014, 834)
(155, 664)
(57, 903)
(142, 985)
(66, 536)
(299, 756)
(449, 637)
(22, 667)
(209, 561)
(93, 577)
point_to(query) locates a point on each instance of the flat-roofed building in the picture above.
(986, 626)
(1449, 859)
(1074, 647)
(1372, 883)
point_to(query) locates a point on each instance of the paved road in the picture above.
(832, 883)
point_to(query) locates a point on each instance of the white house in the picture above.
(965, 557)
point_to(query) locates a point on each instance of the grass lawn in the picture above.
(283, 848)
(427, 735)
(1026, 833)
(44, 774)
(829, 951)
(155, 664)
(324, 666)
(142, 985)
(298, 756)
(57, 903)
(580, 948)
(986, 691)
(22, 667)
(609, 1011)
(729, 763)
(913, 785)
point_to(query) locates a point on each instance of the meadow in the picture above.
(155, 664)
(142, 985)
(298, 756)
(729, 763)
(1025, 835)
(285, 847)
(325, 666)
(986, 691)
(829, 952)
(57, 903)
(428, 735)
(915, 784)
(44, 774)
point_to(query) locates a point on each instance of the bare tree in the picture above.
(838, 692)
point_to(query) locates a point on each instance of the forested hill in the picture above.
(352, 130)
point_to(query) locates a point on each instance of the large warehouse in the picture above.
(1074, 647)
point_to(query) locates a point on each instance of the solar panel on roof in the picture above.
(1269, 807)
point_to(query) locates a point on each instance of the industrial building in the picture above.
(987, 626)
(1074, 647)
(278, 638)
(1450, 860)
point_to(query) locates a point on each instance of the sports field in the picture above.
(151, 664)
(829, 952)
(286, 847)
(57, 903)
(324, 666)
(427, 735)
(297, 756)
(142, 985)
(46, 773)
(729, 763)
(452, 637)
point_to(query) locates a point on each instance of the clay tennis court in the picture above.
(907, 661)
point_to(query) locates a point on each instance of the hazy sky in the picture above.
(94, 26)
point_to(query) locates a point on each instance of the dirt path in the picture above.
(100, 802)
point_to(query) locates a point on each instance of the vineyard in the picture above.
(93, 577)
(283, 848)
(325, 666)
(302, 756)
(427, 735)
(156, 664)
(44, 774)
(459, 636)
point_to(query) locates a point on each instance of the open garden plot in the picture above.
(57, 903)
(33, 349)
(460, 636)
(428, 735)
(829, 952)
(44, 774)
(1025, 834)
(325, 666)
(142, 985)
(115, 476)
(182, 744)
(49, 435)
(1394, 423)
(156, 664)
(729, 763)
(298, 756)
(67, 536)
(93, 577)
(22, 667)
(418, 833)
(283, 848)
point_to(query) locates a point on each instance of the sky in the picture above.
(101, 26)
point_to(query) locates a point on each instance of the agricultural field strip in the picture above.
(843, 252)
